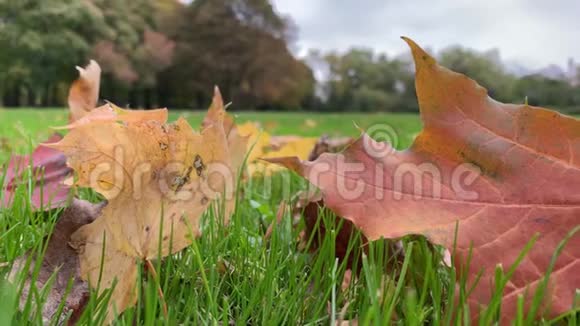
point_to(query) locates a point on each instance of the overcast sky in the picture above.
(534, 33)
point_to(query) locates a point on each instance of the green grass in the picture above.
(234, 275)
(19, 125)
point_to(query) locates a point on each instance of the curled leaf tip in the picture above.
(93, 65)
(217, 98)
(419, 55)
(216, 92)
(92, 68)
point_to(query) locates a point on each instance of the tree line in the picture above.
(170, 53)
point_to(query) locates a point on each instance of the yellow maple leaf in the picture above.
(258, 140)
(159, 179)
(299, 147)
(260, 144)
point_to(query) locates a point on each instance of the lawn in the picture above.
(234, 275)
(30, 123)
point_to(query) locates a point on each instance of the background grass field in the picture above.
(232, 275)
(36, 123)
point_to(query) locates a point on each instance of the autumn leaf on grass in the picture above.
(502, 172)
(310, 204)
(307, 206)
(260, 144)
(299, 147)
(59, 265)
(237, 141)
(48, 170)
(84, 92)
(258, 140)
(327, 144)
(159, 179)
(110, 113)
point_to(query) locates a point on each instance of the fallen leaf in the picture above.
(84, 92)
(48, 171)
(61, 259)
(310, 205)
(111, 113)
(271, 124)
(503, 172)
(260, 144)
(159, 179)
(309, 123)
(216, 112)
(258, 140)
(300, 147)
(329, 145)
(276, 142)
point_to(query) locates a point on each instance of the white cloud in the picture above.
(533, 32)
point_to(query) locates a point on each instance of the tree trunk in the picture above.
(44, 95)
(55, 96)
(30, 96)
(147, 96)
(15, 96)
(132, 98)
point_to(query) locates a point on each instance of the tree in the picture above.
(363, 81)
(485, 68)
(240, 46)
(134, 51)
(542, 91)
(40, 42)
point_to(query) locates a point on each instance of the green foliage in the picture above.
(151, 52)
(42, 41)
(485, 68)
(240, 46)
(540, 90)
(363, 81)
(39, 41)
(170, 53)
